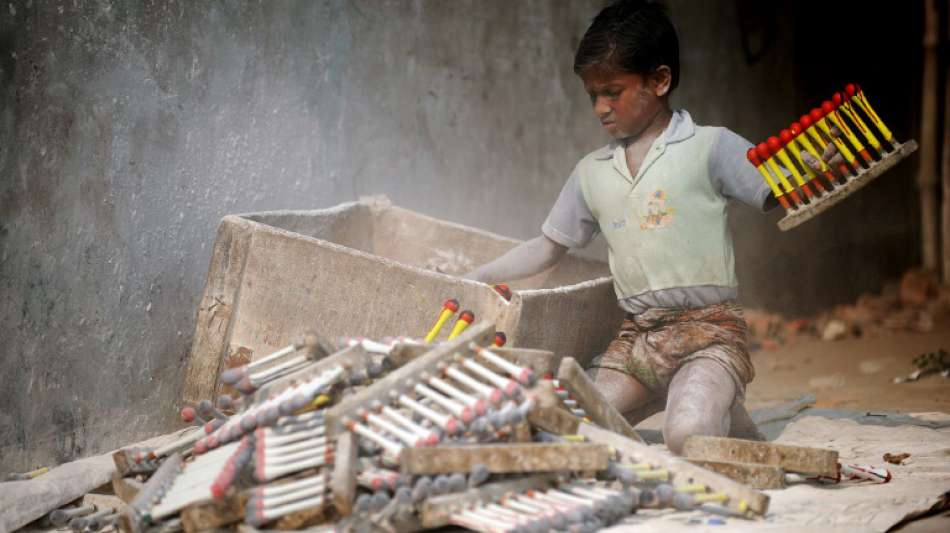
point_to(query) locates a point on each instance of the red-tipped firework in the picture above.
(841, 121)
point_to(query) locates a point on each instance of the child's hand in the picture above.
(832, 156)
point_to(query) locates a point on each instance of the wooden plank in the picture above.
(343, 479)
(436, 511)
(220, 297)
(104, 501)
(742, 500)
(554, 420)
(404, 378)
(798, 459)
(760, 477)
(211, 514)
(125, 488)
(573, 378)
(505, 458)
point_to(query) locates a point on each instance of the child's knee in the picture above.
(677, 429)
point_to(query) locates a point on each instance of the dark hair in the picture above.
(634, 36)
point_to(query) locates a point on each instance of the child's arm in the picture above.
(570, 224)
(525, 260)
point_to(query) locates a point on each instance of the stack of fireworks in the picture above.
(805, 192)
(404, 434)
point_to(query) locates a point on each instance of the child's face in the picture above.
(625, 103)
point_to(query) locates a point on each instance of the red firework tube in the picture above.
(465, 320)
(449, 308)
(188, 414)
(500, 339)
(504, 290)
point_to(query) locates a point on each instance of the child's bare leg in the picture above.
(742, 425)
(700, 398)
(625, 393)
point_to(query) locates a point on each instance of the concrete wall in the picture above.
(128, 129)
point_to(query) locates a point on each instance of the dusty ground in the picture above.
(852, 374)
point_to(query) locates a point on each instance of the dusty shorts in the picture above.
(653, 345)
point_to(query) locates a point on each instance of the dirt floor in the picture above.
(855, 374)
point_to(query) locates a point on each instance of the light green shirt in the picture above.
(666, 228)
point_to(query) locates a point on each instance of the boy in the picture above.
(658, 193)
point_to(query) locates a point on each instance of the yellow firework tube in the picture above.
(829, 110)
(449, 307)
(809, 131)
(818, 117)
(762, 150)
(844, 107)
(856, 95)
(788, 139)
(777, 150)
(753, 158)
(464, 321)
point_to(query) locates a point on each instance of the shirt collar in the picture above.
(680, 128)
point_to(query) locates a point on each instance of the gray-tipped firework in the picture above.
(61, 517)
(446, 423)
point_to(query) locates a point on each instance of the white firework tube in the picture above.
(478, 522)
(305, 455)
(524, 507)
(314, 386)
(179, 497)
(277, 370)
(203, 462)
(520, 374)
(274, 513)
(470, 382)
(407, 422)
(388, 445)
(276, 472)
(508, 386)
(866, 472)
(272, 357)
(276, 451)
(277, 490)
(446, 422)
(467, 399)
(503, 518)
(273, 501)
(546, 499)
(522, 501)
(509, 514)
(450, 405)
(298, 456)
(278, 439)
(399, 433)
(376, 347)
(586, 493)
(301, 419)
(290, 429)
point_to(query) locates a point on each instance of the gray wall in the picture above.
(128, 129)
